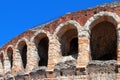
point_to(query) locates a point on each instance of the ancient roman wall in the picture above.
(83, 45)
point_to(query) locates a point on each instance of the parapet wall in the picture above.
(67, 42)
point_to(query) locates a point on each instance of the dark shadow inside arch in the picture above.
(73, 46)
(69, 43)
(2, 60)
(23, 53)
(103, 41)
(10, 55)
(43, 51)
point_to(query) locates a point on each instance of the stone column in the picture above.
(84, 51)
(118, 44)
(7, 66)
(53, 52)
(32, 57)
(17, 61)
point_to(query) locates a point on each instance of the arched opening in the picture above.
(103, 41)
(68, 37)
(10, 55)
(42, 44)
(2, 60)
(23, 52)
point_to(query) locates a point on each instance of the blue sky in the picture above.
(17, 16)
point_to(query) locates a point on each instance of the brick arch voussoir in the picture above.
(73, 22)
(23, 39)
(9, 46)
(114, 16)
(40, 32)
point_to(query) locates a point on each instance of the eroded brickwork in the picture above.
(67, 49)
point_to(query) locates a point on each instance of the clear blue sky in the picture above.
(16, 16)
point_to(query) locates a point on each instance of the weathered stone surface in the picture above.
(38, 73)
(102, 70)
(19, 75)
(81, 71)
(11, 78)
(102, 66)
(65, 66)
(8, 76)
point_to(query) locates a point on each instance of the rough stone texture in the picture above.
(7, 76)
(60, 33)
(33, 55)
(38, 73)
(83, 51)
(102, 69)
(54, 53)
(65, 66)
(19, 75)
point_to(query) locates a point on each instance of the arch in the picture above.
(67, 34)
(103, 35)
(72, 22)
(22, 47)
(103, 41)
(9, 52)
(38, 32)
(99, 17)
(41, 42)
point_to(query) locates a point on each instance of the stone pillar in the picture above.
(32, 57)
(84, 51)
(118, 44)
(53, 52)
(7, 66)
(17, 61)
